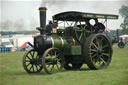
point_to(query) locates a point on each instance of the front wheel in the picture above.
(97, 51)
(32, 62)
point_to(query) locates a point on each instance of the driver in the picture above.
(50, 26)
(99, 27)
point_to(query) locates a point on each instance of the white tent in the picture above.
(124, 36)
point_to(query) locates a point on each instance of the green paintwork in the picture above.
(62, 42)
(59, 42)
(72, 50)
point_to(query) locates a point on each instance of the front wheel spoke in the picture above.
(48, 65)
(49, 55)
(47, 58)
(52, 67)
(31, 67)
(28, 57)
(58, 55)
(51, 64)
(39, 65)
(31, 55)
(57, 66)
(27, 60)
(36, 67)
(58, 59)
(27, 64)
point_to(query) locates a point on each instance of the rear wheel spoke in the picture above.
(103, 60)
(94, 55)
(105, 54)
(105, 46)
(94, 45)
(94, 50)
(97, 41)
(80, 35)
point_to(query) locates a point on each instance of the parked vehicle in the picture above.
(76, 44)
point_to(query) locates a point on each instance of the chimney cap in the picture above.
(42, 8)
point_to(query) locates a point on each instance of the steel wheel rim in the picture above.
(31, 62)
(100, 51)
(53, 60)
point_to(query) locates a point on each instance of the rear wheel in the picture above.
(97, 51)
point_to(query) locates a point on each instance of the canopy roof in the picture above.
(81, 16)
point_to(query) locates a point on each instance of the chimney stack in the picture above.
(42, 11)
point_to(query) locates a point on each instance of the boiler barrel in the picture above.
(41, 43)
(59, 42)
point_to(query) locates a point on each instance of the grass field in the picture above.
(12, 72)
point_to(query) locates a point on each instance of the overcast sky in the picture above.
(26, 11)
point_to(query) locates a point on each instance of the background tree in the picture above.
(124, 13)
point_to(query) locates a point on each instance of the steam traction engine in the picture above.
(69, 41)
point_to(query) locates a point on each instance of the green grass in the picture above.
(12, 72)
